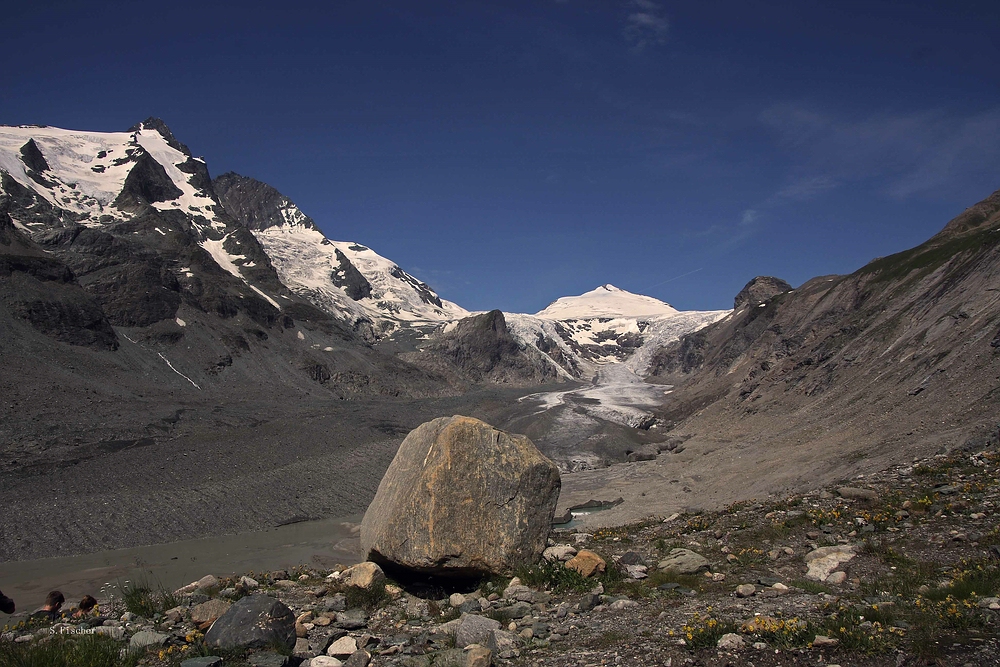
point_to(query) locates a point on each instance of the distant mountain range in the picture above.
(145, 306)
(144, 195)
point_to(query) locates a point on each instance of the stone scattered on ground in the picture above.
(823, 561)
(891, 587)
(587, 563)
(684, 561)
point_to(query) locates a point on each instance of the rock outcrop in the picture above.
(461, 498)
(482, 349)
(759, 290)
(256, 621)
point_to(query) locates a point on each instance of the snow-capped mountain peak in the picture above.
(605, 301)
(342, 277)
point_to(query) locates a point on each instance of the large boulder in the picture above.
(461, 498)
(684, 561)
(256, 621)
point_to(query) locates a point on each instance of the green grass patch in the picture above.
(369, 599)
(553, 576)
(144, 599)
(810, 586)
(68, 651)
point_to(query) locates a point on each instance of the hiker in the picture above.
(6, 604)
(87, 605)
(50, 611)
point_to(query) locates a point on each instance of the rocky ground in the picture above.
(897, 568)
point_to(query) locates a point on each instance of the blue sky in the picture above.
(509, 153)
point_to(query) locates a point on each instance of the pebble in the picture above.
(730, 642)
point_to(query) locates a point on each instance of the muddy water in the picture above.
(320, 544)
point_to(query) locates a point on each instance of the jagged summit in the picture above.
(153, 123)
(606, 301)
(345, 278)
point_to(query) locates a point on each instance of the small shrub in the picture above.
(142, 599)
(369, 599)
(705, 631)
(862, 630)
(750, 557)
(785, 633)
(555, 577)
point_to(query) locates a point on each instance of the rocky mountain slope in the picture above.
(134, 310)
(845, 373)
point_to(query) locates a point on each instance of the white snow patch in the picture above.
(221, 257)
(269, 299)
(191, 198)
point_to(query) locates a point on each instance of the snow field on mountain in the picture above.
(304, 264)
(304, 259)
(605, 301)
(192, 200)
(72, 157)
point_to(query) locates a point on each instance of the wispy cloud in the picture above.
(923, 152)
(749, 217)
(802, 188)
(645, 24)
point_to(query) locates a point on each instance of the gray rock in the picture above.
(206, 661)
(745, 590)
(589, 601)
(517, 610)
(268, 659)
(462, 497)
(852, 493)
(359, 658)
(823, 561)
(337, 602)
(503, 644)
(471, 606)
(684, 561)
(559, 552)
(474, 630)
(631, 558)
(352, 619)
(257, 621)
(343, 647)
(730, 642)
(144, 638)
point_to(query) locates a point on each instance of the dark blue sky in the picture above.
(509, 153)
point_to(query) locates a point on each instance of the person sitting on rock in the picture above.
(53, 604)
(6, 604)
(87, 605)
